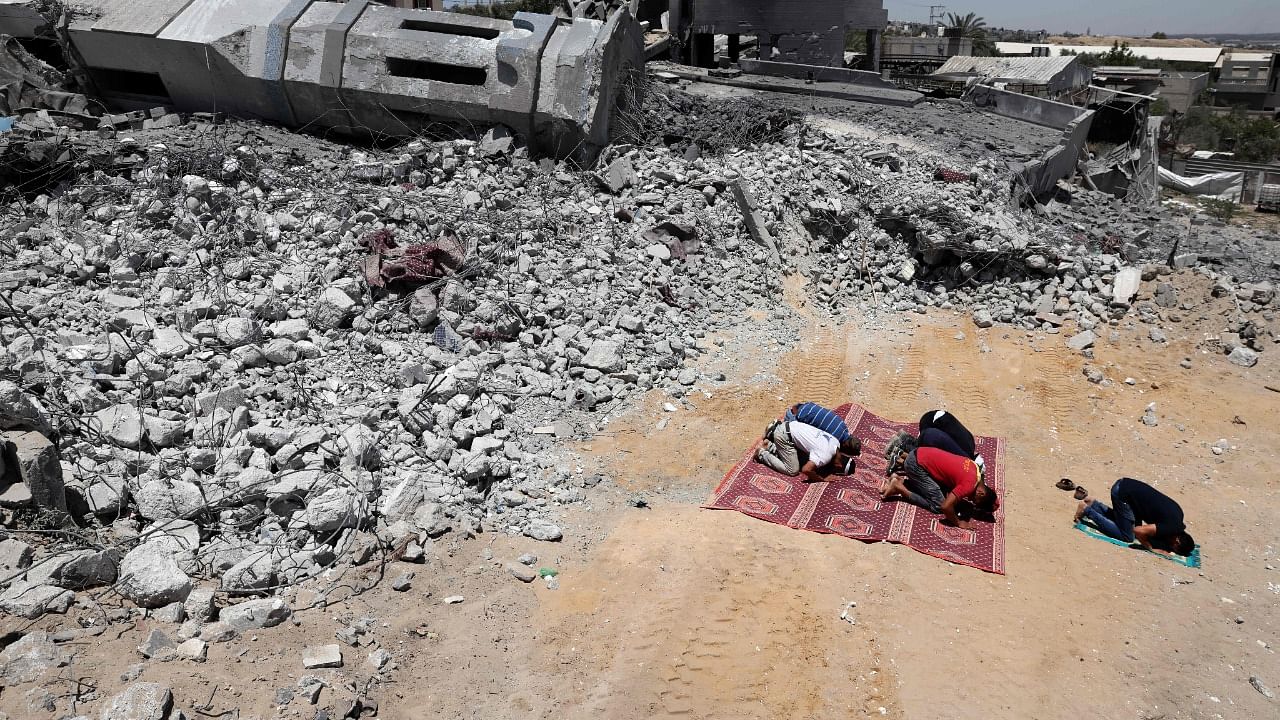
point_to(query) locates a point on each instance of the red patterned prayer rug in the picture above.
(851, 505)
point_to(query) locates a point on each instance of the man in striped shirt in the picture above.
(828, 421)
(813, 442)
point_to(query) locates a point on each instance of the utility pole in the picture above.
(935, 14)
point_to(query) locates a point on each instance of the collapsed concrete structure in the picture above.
(810, 33)
(358, 67)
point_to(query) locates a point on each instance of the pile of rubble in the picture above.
(239, 359)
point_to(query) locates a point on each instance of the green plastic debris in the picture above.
(548, 572)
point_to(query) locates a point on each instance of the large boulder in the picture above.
(150, 576)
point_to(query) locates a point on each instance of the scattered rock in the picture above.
(1082, 340)
(194, 649)
(1244, 357)
(28, 659)
(140, 701)
(543, 530)
(30, 601)
(150, 575)
(322, 656)
(158, 646)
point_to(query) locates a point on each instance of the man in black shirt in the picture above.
(1142, 513)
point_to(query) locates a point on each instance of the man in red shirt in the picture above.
(937, 480)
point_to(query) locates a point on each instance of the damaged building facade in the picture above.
(357, 67)
(810, 33)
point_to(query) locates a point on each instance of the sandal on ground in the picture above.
(1081, 493)
(1065, 484)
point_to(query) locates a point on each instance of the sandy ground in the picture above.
(672, 610)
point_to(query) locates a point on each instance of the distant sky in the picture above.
(1110, 17)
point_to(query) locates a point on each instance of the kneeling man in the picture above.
(824, 454)
(1140, 513)
(937, 481)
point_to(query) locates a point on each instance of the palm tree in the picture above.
(973, 27)
(970, 25)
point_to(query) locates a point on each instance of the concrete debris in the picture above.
(379, 659)
(29, 600)
(158, 646)
(543, 530)
(1082, 341)
(528, 73)
(1243, 356)
(150, 575)
(269, 358)
(322, 656)
(254, 614)
(14, 555)
(522, 573)
(139, 701)
(35, 461)
(20, 411)
(31, 657)
(194, 649)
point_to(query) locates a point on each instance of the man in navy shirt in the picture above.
(825, 420)
(1139, 513)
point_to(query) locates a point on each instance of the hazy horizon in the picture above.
(1137, 18)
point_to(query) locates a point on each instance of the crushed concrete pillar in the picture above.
(365, 68)
(33, 471)
(873, 50)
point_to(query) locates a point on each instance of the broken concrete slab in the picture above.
(30, 657)
(1125, 286)
(37, 465)
(322, 656)
(140, 701)
(1082, 340)
(399, 70)
(31, 600)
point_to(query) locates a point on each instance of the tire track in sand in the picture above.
(1055, 390)
(730, 625)
(819, 375)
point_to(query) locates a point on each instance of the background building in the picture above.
(810, 33)
(1248, 79)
